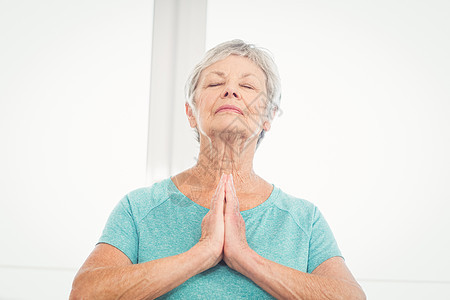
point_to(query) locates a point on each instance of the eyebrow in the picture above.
(248, 74)
(222, 74)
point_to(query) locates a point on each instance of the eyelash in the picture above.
(242, 85)
(214, 84)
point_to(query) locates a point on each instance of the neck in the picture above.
(229, 155)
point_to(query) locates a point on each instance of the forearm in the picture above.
(287, 283)
(147, 280)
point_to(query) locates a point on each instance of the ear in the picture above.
(190, 115)
(267, 123)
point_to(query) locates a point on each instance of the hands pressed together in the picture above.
(223, 228)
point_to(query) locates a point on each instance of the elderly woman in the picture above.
(218, 230)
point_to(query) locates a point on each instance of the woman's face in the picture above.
(231, 98)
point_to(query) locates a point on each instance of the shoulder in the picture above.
(302, 211)
(292, 203)
(142, 200)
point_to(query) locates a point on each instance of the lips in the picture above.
(231, 108)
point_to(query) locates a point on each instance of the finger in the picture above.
(219, 202)
(230, 196)
(235, 198)
(218, 191)
(234, 189)
(219, 195)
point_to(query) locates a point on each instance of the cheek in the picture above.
(203, 110)
(258, 108)
(204, 102)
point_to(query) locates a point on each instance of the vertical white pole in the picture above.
(179, 32)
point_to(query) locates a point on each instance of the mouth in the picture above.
(229, 108)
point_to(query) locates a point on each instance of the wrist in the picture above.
(246, 262)
(204, 255)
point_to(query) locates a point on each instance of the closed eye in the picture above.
(215, 84)
(247, 86)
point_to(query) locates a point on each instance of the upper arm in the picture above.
(335, 267)
(105, 255)
(322, 244)
(118, 243)
(121, 230)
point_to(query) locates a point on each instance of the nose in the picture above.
(230, 92)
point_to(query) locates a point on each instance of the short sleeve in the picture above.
(120, 230)
(322, 244)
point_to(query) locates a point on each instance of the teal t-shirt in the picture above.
(159, 221)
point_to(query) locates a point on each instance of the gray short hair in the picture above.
(260, 56)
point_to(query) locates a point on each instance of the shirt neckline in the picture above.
(273, 195)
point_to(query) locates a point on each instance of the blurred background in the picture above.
(92, 107)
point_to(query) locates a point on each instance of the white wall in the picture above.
(364, 132)
(74, 93)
